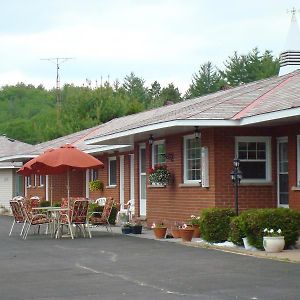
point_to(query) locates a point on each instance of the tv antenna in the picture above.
(58, 61)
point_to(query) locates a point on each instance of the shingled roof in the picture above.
(256, 98)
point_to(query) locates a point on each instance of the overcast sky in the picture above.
(156, 39)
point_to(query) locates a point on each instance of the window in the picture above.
(93, 174)
(255, 158)
(34, 180)
(28, 181)
(158, 153)
(112, 171)
(192, 159)
(42, 182)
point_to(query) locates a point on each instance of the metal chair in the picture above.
(99, 218)
(18, 213)
(33, 218)
(77, 215)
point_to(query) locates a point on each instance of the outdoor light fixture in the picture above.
(197, 133)
(151, 139)
(236, 176)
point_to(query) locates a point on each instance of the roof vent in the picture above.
(290, 57)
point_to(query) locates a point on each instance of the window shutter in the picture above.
(204, 167)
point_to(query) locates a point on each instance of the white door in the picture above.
(132, 205)
(143, 179)
(122, 181)
(282, 172)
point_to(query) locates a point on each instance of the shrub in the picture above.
(214, 224)
(44, 203)
(236, 232)
(96, 185)
(253, 222)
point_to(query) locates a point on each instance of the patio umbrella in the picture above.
(60, 160)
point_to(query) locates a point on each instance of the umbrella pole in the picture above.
(68, 187)
(51, 190)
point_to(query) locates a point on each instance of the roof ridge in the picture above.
(262, 97)
(257, 82)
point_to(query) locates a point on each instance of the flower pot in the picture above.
(160, 232)
(126, 230)
(273, 244)
(187, 234)
(196, 231)
(176, 233)
(137, 229)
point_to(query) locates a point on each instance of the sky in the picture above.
(163, 40)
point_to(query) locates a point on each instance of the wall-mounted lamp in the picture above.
(150, 139)
(197, 133)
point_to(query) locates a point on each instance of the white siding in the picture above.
(6, 186)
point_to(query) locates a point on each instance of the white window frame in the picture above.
(298, 160)
(43, 181)
(92, 173)
(160, 142)
(259, 139)
(185, 172)
(109, 161)
(34, 180)
(28, 181)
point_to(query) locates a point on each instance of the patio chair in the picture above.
(99, 218)
(33, 218)
(77, 215)
(101, 201)
(127, 211)
(18, 214)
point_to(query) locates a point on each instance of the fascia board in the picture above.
(17, 157)
(162, 125)
(276, 115)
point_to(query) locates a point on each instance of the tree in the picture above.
(206, 81)
(253, 66)
(170, 93)
(135, 88)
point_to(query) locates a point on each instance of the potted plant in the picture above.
(137, 227)
(96, 185)
(176, 230)
(159, 175)
(159, 230)
(2, 209)
(195, 223)
(186, 233)
(273, 240)
(127, 228)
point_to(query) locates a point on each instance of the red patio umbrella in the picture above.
(60, 160)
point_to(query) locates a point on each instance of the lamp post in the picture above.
(236, 176)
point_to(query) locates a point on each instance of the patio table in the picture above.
(54, 211)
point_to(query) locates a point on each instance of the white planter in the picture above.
(273, 244)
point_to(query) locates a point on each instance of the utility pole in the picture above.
(58, 61)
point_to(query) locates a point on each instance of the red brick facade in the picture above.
(176, 202)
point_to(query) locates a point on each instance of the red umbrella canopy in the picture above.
(55, 161)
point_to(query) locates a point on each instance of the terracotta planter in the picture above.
(160, 232)
(187, 234)
(196, 231)
(273, 244)
(176, 233)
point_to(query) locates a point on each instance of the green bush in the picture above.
(236, 232)
(253, 222)
(214, 224)
(44, 203)
(94, 207)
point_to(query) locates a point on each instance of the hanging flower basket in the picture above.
(159, 175)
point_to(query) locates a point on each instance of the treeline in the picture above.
(29, 113)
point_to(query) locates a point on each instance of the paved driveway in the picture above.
(122, 267)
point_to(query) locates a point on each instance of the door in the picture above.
(19, 189)
(122, 181)
(143, 180)
(282, 172)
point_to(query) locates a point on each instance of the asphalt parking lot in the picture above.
(123, 267)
